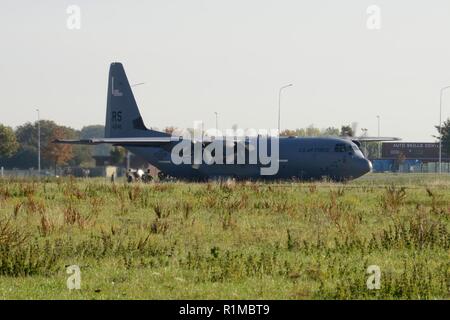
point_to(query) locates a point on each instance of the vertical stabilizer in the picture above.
(123, 118)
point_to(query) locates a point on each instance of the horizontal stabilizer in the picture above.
(375, 139)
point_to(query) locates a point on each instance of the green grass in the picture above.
(226, 240)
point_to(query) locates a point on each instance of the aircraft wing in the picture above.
(149, 141)
(375, 139)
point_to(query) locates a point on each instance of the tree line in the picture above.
(19, 146)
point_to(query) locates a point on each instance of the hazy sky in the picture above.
(230, 56)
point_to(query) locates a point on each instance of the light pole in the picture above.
(378, 117)
(379, 143)
(440, 129)
(39, 143)
(137, 84)
(279, 104)
(217, 123)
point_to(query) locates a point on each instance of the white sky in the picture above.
(230, 56)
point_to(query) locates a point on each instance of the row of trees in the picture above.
(312, 131)
(19, 147)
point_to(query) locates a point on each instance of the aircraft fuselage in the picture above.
(300, 158)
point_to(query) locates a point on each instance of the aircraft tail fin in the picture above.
(123, 118)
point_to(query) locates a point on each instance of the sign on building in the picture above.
(412, 150)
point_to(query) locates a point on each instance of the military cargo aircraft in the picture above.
(302, 158)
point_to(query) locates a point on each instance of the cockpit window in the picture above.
(342, 147)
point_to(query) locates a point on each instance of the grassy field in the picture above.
(226, 240)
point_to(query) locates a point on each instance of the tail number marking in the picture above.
(116, 119)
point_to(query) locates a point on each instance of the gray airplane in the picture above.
(312, 158)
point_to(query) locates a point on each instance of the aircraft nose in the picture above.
(363, 166)
(366, 166)
(369, 165)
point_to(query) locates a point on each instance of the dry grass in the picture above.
(226, 240)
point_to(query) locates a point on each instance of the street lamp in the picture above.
(217, 123)
(440, 129)
(39, 142)
(379, 143)
(378, 117)
(279, 104)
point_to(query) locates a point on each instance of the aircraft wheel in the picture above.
(162, 176)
